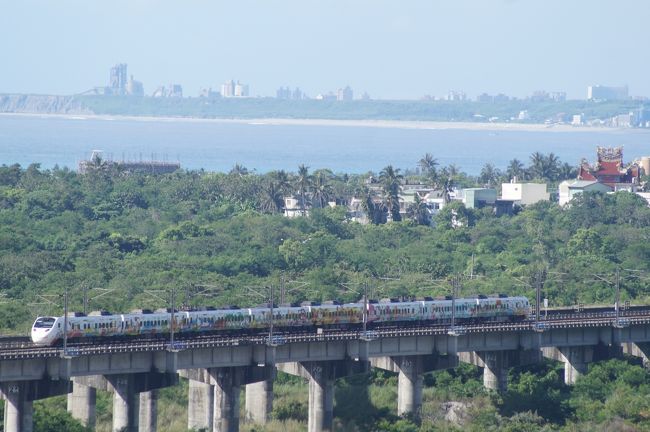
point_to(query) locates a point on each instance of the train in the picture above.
(308, 316)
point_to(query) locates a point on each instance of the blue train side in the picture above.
(48, 331)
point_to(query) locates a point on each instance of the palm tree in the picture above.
(419, 211)
(450, 170)
(322, 190)
(537, 163)
(489, 174)
(567, 171)
(447, 187)
(544, 167)
(376, 211)
(552, 166)
(303, 182)
(271, 199)
(391, 179)
(428, 163)
(282, 181)
(516, 169)
(239, 170)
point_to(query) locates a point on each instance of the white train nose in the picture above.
(41, 336)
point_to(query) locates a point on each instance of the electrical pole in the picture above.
(365, 308)
(65, 321)
(454, 285)
(538, 293)
(618, 294)
(471, 271)
(173, 316)
(282, 290)
(85, 291)
(271, 307)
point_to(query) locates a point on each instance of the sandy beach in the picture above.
(393, 124)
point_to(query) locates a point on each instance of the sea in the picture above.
(261, 147)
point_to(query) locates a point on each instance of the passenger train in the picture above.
(308, 316)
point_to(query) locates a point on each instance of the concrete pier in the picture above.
(321, 376)
(410, 370)
(19, 397)
(18, 414)
(125, 403)
(259, 401)
(409, 386)
(200, 406)
(226, 399)
(639, 349)
(575, 362)
(321, 397)
(82, 403)
(148, 419)
(495, 372)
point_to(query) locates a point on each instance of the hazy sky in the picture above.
(391, 49)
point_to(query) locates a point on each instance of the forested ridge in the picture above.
(222, 234)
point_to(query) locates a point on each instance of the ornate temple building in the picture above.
(610, 170)
(608, 174)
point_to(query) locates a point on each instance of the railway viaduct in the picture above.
(217, 367)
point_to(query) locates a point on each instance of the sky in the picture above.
(390, 49)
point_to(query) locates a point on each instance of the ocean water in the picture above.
(217, 146)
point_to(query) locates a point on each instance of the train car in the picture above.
(332, 315)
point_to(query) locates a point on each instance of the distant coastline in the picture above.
(395, 114)
(392, 124)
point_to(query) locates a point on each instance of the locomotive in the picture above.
(308, 316)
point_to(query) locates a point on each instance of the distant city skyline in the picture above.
(382, 48)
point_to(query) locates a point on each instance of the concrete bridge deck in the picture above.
(218, 366)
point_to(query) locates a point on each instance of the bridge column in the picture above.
(410, 371)
(18, 409)
(321, 397)
(638, 349)
(409, 385)
(200, 405)
(495, 364)
(495, 372)
(82, 402)
(321, 376)
(575, 360)
(148, 421)
(226, 399)
(19, 395)
(259, 401)
(125, 403)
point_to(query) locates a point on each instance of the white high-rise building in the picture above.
(600, 92)
(228, 89)
(241, 90)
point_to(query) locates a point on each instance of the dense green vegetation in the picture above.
(468, 111)
(132, 232)
(221, 234)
